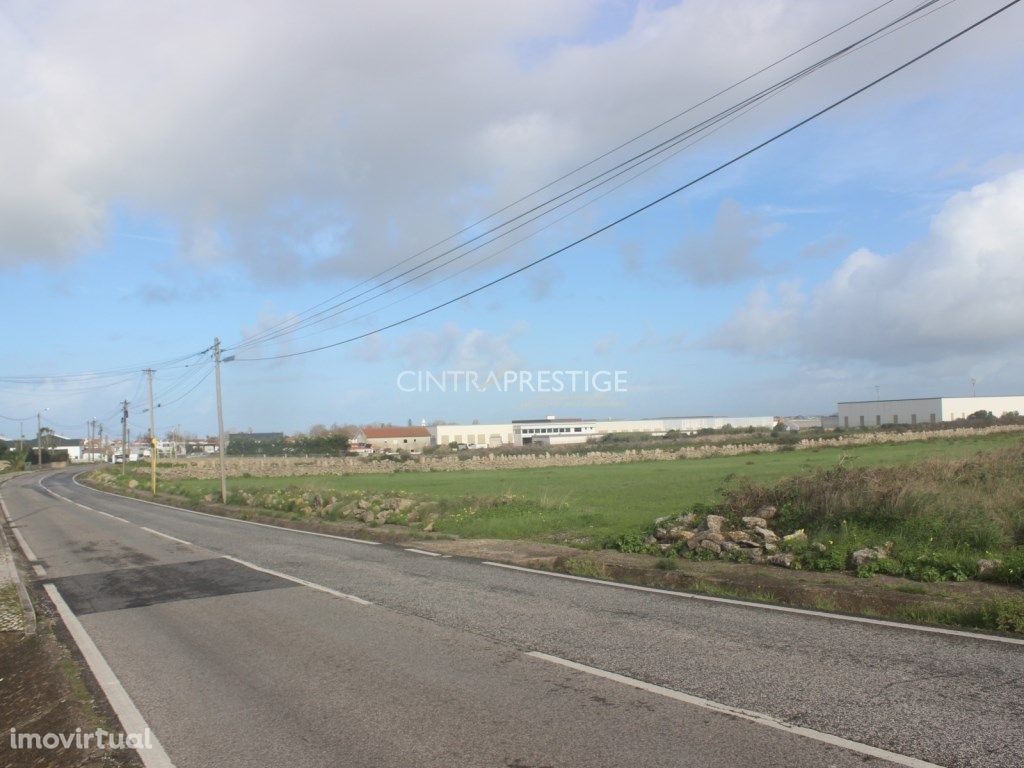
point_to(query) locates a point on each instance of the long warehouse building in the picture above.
(555, 431)
(923, 410)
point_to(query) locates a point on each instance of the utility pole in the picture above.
(124, 437)
(39, 438)
(220, 425)
(152, 435)
(974, 388)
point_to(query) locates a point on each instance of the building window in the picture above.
(932, 418)
(578, 429)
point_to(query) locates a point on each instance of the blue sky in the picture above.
(152, 207)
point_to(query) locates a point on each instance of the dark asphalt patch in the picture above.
(150, 585)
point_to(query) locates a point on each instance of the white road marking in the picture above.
(91, 509)
(167, 536)
(74, 479)
(423, 552)
(40, 571)
(755, 717)
(297, 580)
(120, 701)
(29, 554)
(768, 607)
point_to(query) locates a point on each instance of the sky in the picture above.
(179, 171)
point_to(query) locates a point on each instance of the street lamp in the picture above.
(39, 435)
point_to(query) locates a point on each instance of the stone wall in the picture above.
(207, 468)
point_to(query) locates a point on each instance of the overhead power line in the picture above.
(732, 161)
(102, 374)
(309, 314)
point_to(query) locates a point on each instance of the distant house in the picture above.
(394, 438)
(55, 442)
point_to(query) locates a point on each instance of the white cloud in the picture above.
(957, 293)
(320, 137)
(725, 253)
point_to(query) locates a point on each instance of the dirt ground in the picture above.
(45, 687)
(42, 691)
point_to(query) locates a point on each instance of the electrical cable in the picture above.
(732, 161)
(590, 162)
(295, 323)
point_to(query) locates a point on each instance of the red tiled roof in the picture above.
(371, 432)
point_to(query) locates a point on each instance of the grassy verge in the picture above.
(581, 505)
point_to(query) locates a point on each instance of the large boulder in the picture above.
(739, 536)
(985, 566)
(754, 522)
(712, 523)
(782, 559)
(869, 554)
(712, 546)
(678, 533)
(687, 519)
(701, 536)
(796, 537)
(767, 535)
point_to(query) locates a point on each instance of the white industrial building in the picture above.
(481, 435)
(555, 431)
(923, 410)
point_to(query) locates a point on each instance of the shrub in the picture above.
(633, 543)
(1004, 614)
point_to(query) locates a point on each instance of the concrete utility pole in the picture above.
(152, 435)
(39, 438)
(124, 437)
(220, 425)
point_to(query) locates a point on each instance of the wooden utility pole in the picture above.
(124, 437)
(220, 425)
(152, 435)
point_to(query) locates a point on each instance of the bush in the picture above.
(632, 543)
(1004, 614)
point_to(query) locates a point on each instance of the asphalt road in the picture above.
(231, 665)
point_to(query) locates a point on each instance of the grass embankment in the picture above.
(585, 505)
(943, 504)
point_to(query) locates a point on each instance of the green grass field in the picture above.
(589, 504)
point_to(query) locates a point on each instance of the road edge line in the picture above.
(768, 606)
(153, 757)
(758, 718)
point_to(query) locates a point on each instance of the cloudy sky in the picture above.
(178, 171)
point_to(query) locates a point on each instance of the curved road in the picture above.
(246, 645)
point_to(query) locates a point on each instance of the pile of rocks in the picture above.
(755, 541)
